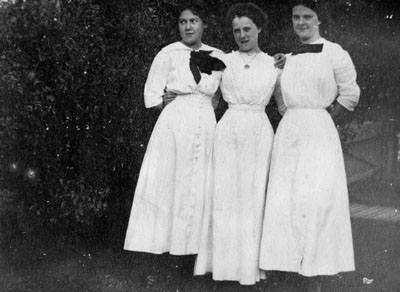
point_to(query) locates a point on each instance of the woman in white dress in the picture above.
(307, 220)
(169, 197)
(232, 226)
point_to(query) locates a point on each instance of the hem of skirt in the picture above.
(241, 282)
(160, 251)
(326, 273)
(311, 274)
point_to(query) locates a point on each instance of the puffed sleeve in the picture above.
(345, 76)
(278, 95)
(156, 80)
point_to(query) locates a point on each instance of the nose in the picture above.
(301, 20)
(242, 34)
(188, 25)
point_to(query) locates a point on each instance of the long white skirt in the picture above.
(307, 220)
(231, 236)
(169, 198)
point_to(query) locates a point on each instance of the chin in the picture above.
(303, 37)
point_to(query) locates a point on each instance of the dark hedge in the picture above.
(73, 124)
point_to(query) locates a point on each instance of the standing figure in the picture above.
(307, 220)
(169, 197)
(236, 187)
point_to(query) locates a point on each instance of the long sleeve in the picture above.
(156, 80)
(278, 95)
(345, 76)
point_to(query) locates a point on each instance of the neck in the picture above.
(195, 46)
(252, 51)
(310, 40)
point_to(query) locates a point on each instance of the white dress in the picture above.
(307, 222)
(169, 197)
(232, 227)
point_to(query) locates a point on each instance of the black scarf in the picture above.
(201, 61)
(308, 48)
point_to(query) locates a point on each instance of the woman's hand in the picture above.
(168, 97)
(337, 112)
(280, 60)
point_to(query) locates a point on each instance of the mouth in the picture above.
(302, 28)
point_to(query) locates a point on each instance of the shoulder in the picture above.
(176, 46)
(229, 57)
(217, 53)
(339, 58)
(329, 45)
(333, 48)
(267, 57)
(210, 48)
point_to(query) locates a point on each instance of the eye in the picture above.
(182, 22)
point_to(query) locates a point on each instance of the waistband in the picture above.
(195, 97)
(299, 108)
(247, 107)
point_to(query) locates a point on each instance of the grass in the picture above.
(41, 261)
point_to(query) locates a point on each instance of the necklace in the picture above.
(247, 65)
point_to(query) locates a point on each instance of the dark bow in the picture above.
(201, 61)
(308, 48)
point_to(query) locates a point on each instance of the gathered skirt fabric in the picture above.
(236, 188)
(307, 220)
(169, 197)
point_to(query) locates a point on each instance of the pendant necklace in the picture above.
(247, 65)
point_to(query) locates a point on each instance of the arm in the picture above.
(215, 99)
(345, 76)
(278, 95)
(157, 81)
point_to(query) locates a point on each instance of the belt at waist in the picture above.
(305, 108)
(247, 107)
(195, 97)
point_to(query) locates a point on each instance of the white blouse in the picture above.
(252, 86)
(315, 80)
(170, 71)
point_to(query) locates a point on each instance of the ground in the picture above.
(40, 265)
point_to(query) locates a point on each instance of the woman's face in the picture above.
(191, 29)
(305, 23)
(245, 33)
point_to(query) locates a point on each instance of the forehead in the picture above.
(303, 10)
(188, 14)
(243, 21)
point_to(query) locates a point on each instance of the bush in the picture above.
(73, 124)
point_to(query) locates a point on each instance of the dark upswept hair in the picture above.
(249, 10)
(320, 7)
(312, 4)
(198, 8)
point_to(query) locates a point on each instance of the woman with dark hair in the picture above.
(169, 197)
(307, 220)
(235, 195)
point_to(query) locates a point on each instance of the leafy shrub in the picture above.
(73, 123)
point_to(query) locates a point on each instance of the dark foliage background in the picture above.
(73, 124)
